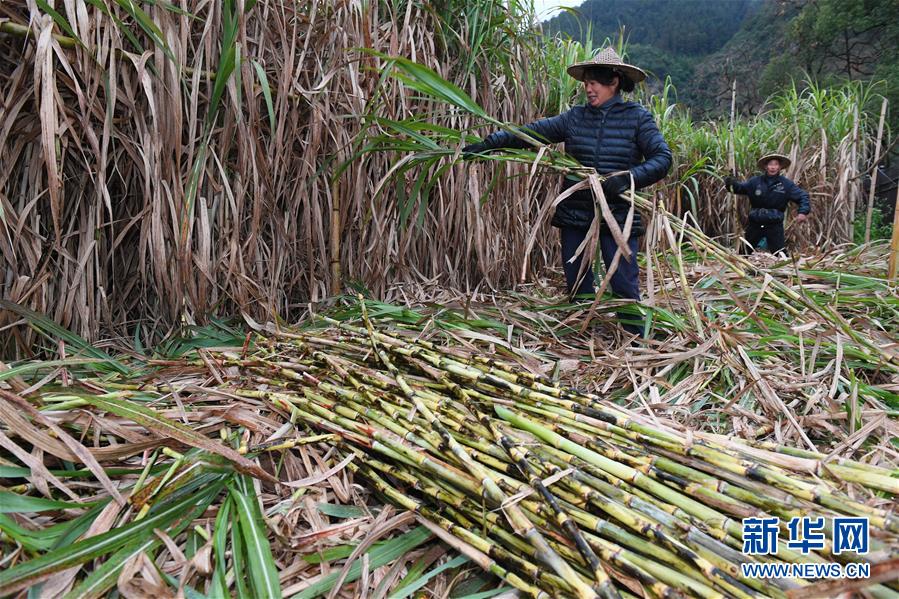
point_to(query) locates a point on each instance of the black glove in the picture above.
(472, 150)
(729, 183)
(613, 187)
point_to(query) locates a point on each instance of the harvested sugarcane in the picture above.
(556, 491)
(647, 503)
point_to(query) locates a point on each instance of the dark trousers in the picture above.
(625, 281)
(772, 232)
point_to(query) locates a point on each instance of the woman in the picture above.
(609, 135)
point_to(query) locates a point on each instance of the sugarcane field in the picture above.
(450, 299)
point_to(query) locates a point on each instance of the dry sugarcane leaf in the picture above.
(32, 434)
(380, 527)
(164, 427)
(36, 466)
(82, 454)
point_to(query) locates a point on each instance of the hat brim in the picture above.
(784, 161)
(635, 74)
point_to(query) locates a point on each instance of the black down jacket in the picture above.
(613, 137)
(768, 197)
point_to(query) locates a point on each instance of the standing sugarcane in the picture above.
(731, 149)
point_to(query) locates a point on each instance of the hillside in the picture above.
(827, 41)
(756, 56)
(664, 37)
(763, 44)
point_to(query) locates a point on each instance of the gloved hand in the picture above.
(729, 183)
(472, 150)
(615, 186)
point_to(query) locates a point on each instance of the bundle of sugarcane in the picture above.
(556, 491)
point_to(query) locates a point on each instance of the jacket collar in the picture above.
(607, 105)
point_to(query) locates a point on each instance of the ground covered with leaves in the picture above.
(465, 445)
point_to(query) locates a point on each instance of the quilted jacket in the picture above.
(613, 137)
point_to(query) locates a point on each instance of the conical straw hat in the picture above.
(607, 57)
(784, 161)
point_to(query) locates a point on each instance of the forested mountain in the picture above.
(685, 27)
(763, 44)
(823, 41)
(665, 37)
(756, 57)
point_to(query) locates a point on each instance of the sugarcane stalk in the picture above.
(519, 522)
(721, 568)
(468, 537)
(765, 473)
(651, 574)
(519, 457)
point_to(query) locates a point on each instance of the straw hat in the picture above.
(607, 57)
(784, 161)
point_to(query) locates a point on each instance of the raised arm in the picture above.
(549, 130)
(739, 187)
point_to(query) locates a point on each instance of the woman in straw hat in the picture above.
(611, 136)
(769, 195)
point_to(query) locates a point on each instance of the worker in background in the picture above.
(769, 194)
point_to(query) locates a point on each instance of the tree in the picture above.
(850, 37)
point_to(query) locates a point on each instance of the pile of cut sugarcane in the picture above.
(557, 492)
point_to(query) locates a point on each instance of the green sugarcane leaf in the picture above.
(13, 503)
(378, 557)
(417, 125)
(60, 21)
(20, 472)
(227, 61)
(120, 26)
(410, 586)
(138, 344)
(263, 571)
(330, 554)
(34, 570)
(189, 592)
(220, 548)
(79, 526)
(49, 364)
(193, 184)
(486, 594)
(340, 511)
(473, 585)
(34, 540)
(50, 329)
(423, 141)
(148, 25)
(152, 420)
(423, 79)
(173, 9)
(191, 507)
(267, 93)
(238, 558)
